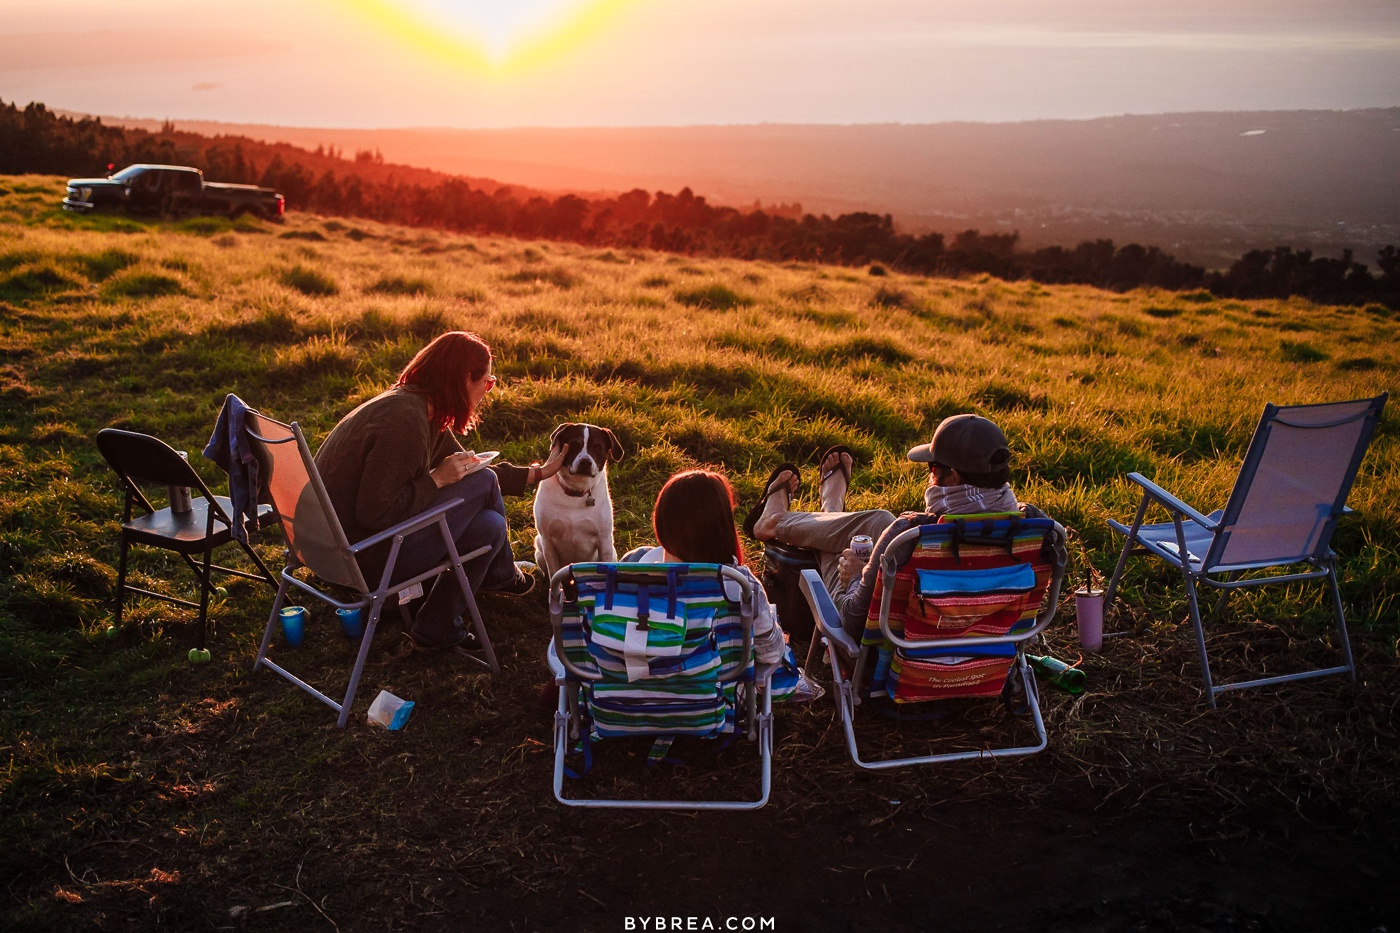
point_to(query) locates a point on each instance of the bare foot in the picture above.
(835, 468)
(782, 489)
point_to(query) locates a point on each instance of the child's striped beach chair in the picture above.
(955, 603)
(661, 650)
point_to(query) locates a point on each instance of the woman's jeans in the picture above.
(479, 521)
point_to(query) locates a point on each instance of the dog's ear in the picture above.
(614, 448)
(554, 438)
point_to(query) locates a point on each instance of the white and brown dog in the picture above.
(573, 510)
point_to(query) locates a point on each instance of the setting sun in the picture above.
(485, 36)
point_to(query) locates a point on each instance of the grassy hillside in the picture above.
(138, 786)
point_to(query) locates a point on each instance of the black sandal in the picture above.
(756, 512)
(837, 450)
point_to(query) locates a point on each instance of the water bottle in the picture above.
(180, 501)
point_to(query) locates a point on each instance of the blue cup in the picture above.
(352, 622)
(293, 625)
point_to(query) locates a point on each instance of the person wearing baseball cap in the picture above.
(969, 467)
(969, 464)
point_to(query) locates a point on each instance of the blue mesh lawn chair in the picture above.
(316, 541)
(659, 650)
(1290, 492)
(955, 604)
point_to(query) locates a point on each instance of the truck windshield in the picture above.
(128, 173)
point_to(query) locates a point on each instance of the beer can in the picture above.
(862, 545)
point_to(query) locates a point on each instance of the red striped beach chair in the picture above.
(955, 604)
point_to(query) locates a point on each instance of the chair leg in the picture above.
(478, 625)
(564, 728)
(1341, 619)
(248, 549)
(1193, 607)
(1128, 541)
(203, 597)
(818, 639)
(376, 606)
(271, 624)
(1224, 597)
(121, 581)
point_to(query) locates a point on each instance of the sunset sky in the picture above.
(507, 63)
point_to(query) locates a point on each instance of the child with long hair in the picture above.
(694, 523)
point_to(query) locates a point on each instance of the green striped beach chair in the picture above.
(660, 650)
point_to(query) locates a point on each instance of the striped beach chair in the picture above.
(954, 605)
(659, 650)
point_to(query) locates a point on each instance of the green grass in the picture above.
(117, 749)
(310, 282)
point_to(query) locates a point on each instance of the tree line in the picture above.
(34, 139)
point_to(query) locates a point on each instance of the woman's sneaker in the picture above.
(463, 645)
(523, 583)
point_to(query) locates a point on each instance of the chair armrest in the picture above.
(824, 611)
(556, 667)
(408, 526)
(556, 622)
(1162, 497)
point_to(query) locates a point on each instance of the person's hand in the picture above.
(453, 467)
(552, 465)
(848, 567)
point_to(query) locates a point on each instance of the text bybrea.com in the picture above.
(662, 924)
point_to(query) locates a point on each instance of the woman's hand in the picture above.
(453, 467)
(551, 466)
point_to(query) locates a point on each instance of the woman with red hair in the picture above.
(398, 455)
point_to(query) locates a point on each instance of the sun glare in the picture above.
(489, 35)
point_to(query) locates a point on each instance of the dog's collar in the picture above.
(585, 494)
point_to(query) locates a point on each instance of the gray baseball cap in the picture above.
(967, 443)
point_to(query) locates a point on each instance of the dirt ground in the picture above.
(836, 850)
(229, 801)
(1063, 865)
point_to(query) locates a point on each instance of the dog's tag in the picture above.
(590, 501)
(410, 593)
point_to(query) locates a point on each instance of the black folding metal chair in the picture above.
(191, 528)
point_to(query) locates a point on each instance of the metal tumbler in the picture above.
(180, 500)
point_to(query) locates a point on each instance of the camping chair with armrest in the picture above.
(316, 541)
(953, 607)
(658, 650)
(140, 459)
(1290, 491)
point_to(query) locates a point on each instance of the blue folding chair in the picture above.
(1291, 490)
(658, 650)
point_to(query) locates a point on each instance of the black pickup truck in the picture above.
(172, 190)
